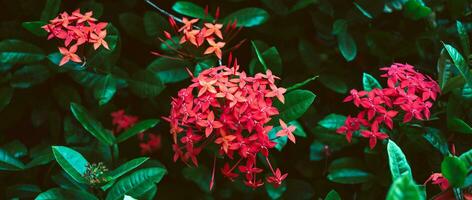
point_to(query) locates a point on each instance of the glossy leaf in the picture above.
(416, 9)
(168, 70)
(347, 46)
(434, 137)
(29, 76)
(190, 9)
(248, 17)
(334, 82)
(349, 176)
(136, 184)
(332, 195)
(275, 193)
(459, 125)
(466, 157)
(105, 89)
(126, 167)
(444, 67)
(154, 24)
(35, 27)
(9, 163)
(51, 9)
(369, 82)
(404, 188)
(332, 121)
(64, 194)
(146, 84)
(296, 104)
(71, 162)
(460, 63)
(455, 170)
(140, 127)
(91, 125)
(398, 164)
(463, 37)
(17, 51)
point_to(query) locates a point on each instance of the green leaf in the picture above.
(334, 83)
(56, 57)
(136, 184)
(456, 124)
(332, 121)
(105, 89)
(137, 128)
(23, 191)
(50, 10)
(397, 161)
(459, 63)
(6, 94)
(467, 159)
(349, 176)
(369, 82)
(91, 79)
(169, 70)
(146, 84)
(307, 52)
(299, 131)
(42, 158)
(317, 151)
(416, 9)
(190, 9)
(65, 194)
(275, 193)
(71, 162)
(125, 168)
(332, 195)
(296, 104)
(29, 75)
(35, 27)
(455, 170)
(404, 188)
(133, 25)
(363, 11)
(271, 59)
(301, 84)
(154, 24)
(15, 148)
(339, 27)
(248, 17)
(464, 38)
(444, 67)
(16, 51)
(434, 137)
(9, 163)
(203, 65)
(347, 46)
(200, 175)
(91, 125)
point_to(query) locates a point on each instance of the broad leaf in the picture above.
(434, 137)
(455, 170)
(369, 82)
(275, 193)
(23, 191)
(6, 94)
(35, 27)
(332, 121)
(404, 188)
(155, 24)
(248, 17)
(398, 164)
(9, 163)
(146, 84)
(460, 63)
(169, 70)
(467, 159)
(91, 125)
(464, 38)
(332, 195)
(17, 51)
(29, 76)
(347, 46)
(51, 9)
(416, 9)
(125, 168)
(136, 184)
(444, 69)
(71, 162)
(456, 124)
(65, 194)
(334, 82)
(200, 175)
(349, 176)
(271, 59)
(190, 9)
(136, 129)
(105, 89)
(296, 104)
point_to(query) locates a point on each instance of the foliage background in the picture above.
(370, 35)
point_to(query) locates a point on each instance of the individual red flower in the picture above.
(286, 131)
(152, 144)
(438, 179)
(213, 29)
(277, 178)
(215, 47)
(122, 121)
(226, 108)
(69, 54)
(409, 94)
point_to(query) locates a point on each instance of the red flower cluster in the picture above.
(230, 109)
(210, 36)
(149, 143)
(79, 28)
(409, 93)
(438, 179)
(122, 121)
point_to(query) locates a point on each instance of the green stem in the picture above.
(298, 85)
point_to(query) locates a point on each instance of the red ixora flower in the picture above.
(409, 94)
(226, 108)
(438, 179)
(79, 28)
(122, 121)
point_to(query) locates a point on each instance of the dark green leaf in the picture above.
(369, 82)
(9, 163)
(363, 11)
(416, 9)
(444, 67)
(275, 193)
(146, 84)
(71, 162)
(24, 191)
(50, 10)
(349, 176)
(17, 51)
(154, 24)
(200, 175)
(339, 27)
(347, 46)
(6, 94)
(398, 164)
(334, 83)
(65, 194)
(15, 148)
(190, 9)
(332, 195)
(434, 137)
(29, 75)
(169, 70)
(248, 17)
(35, 27)
(459, 125)
(125, 168)
(91, 125)
(467, 158)
(332, 121)
(137, 128)
(404, 188)
(56, 57)
(459, 63)
(455, 170)
(105, 89)
(136, 184)
(464, 38)
(296, 104)
(42, 158)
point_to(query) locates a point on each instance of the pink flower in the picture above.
(286, 131)
(440, 180)
(122, 121)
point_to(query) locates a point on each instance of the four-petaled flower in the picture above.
(69, 54)
(286, 131)
(215, 47)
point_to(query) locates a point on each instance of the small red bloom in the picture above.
(277, 178)
(286, 131)
(440, 180)
(122, 121)
(69, 55)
